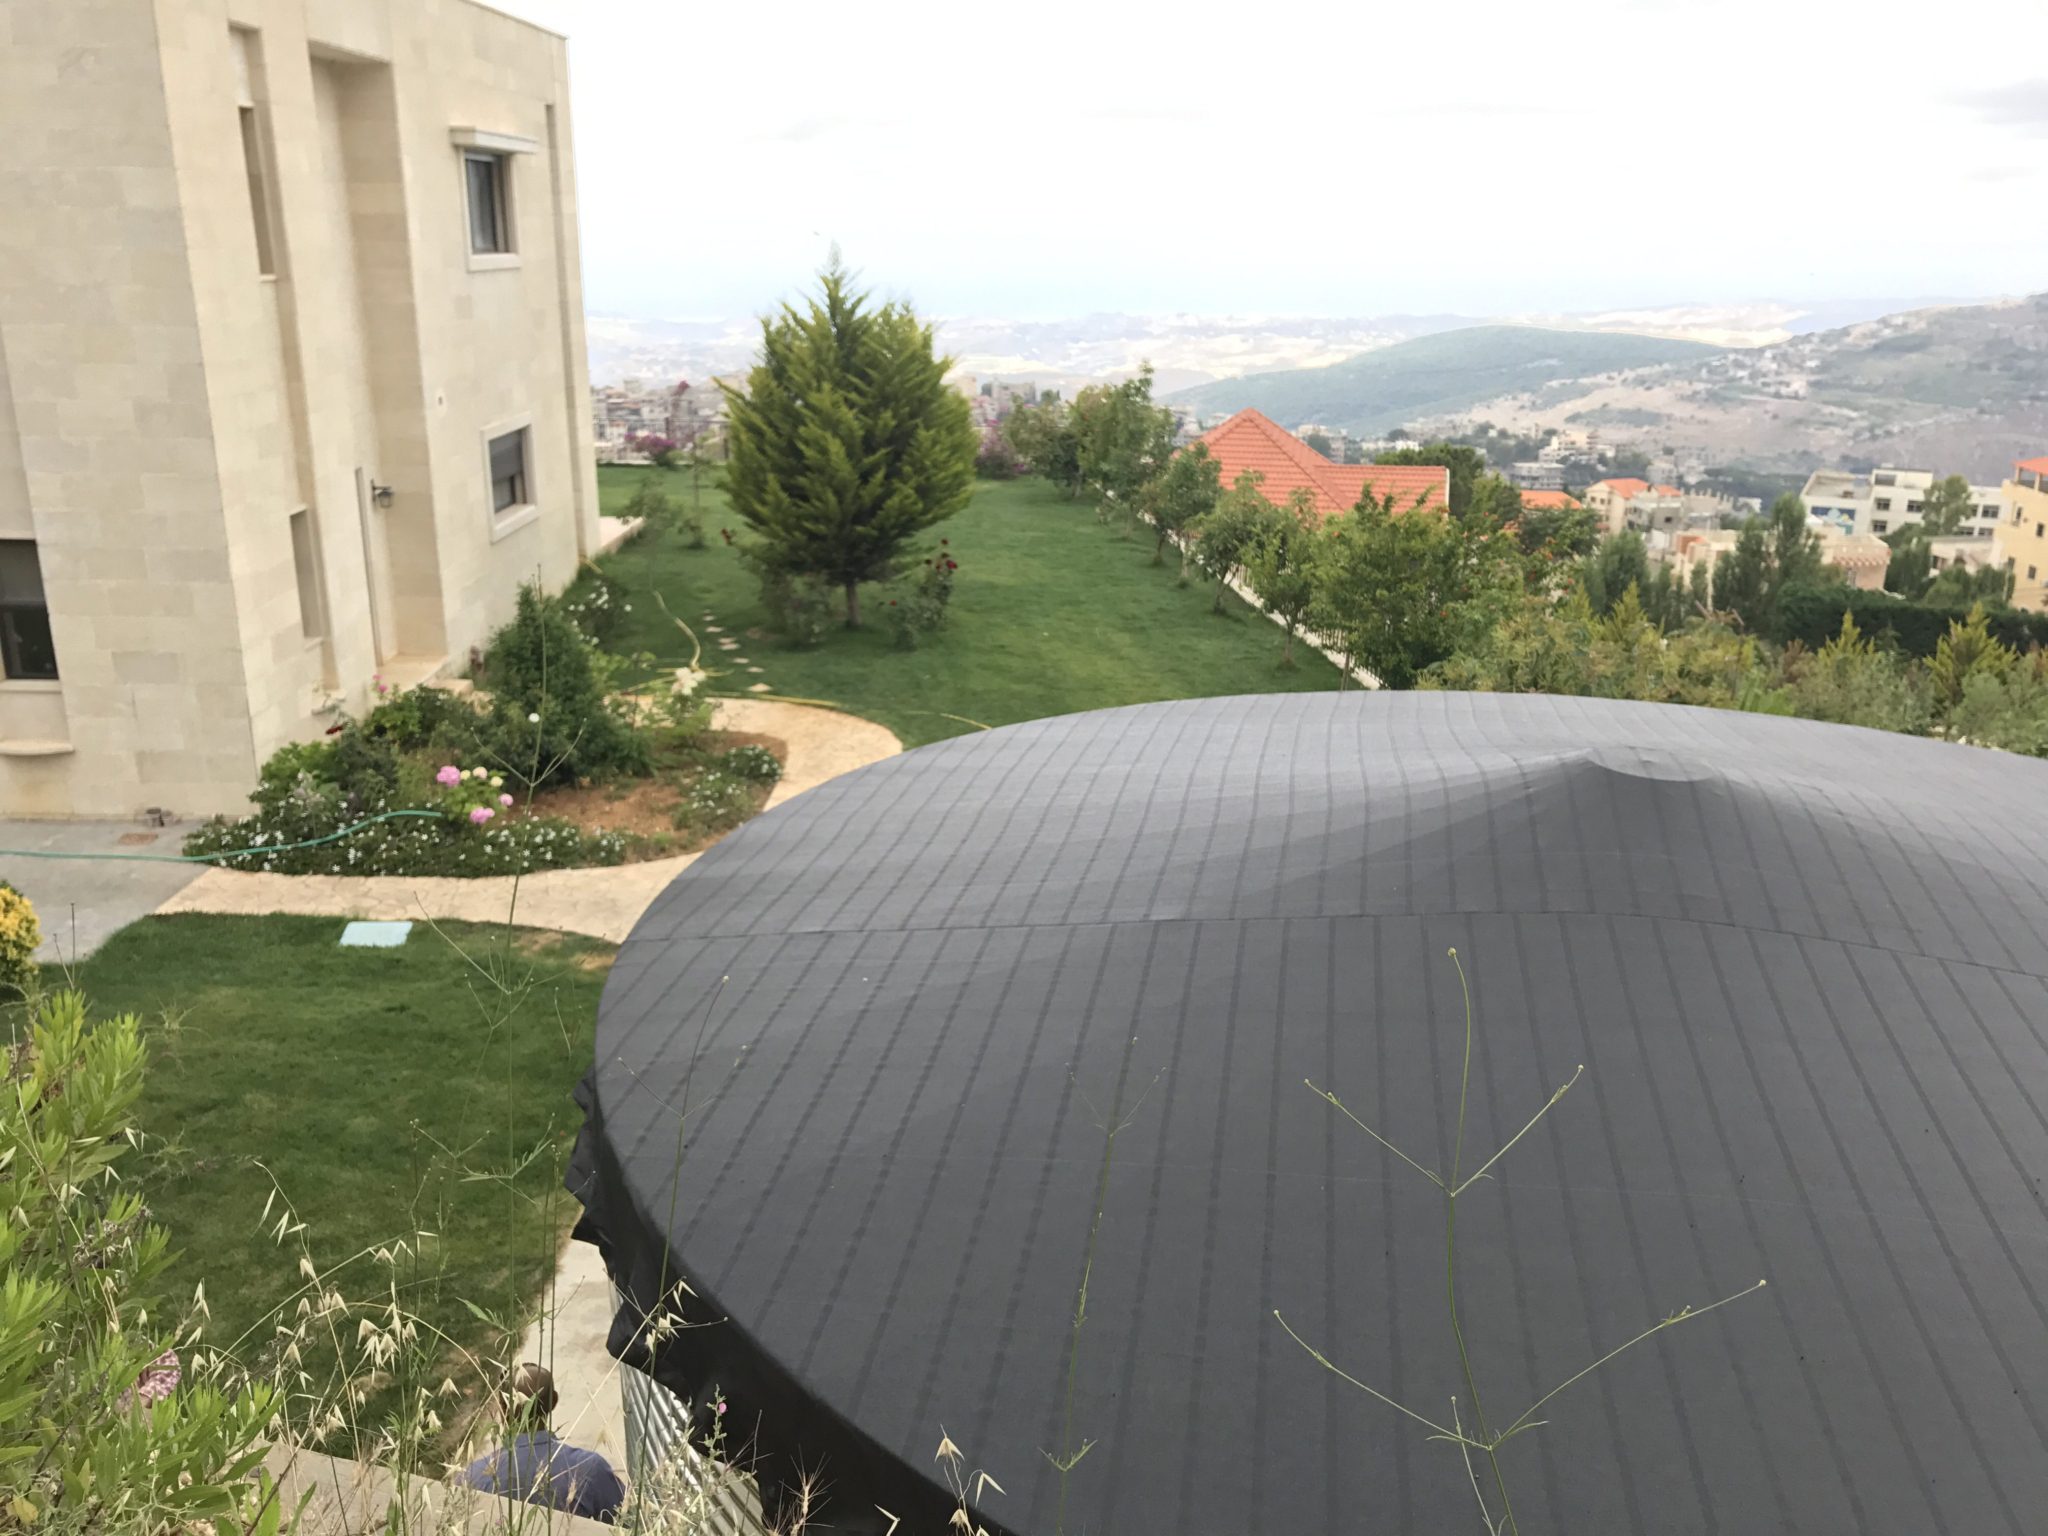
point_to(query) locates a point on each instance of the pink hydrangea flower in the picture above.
(482, 814)
(450, 774)
(504, 799)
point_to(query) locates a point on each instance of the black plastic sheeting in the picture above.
(1803, 968)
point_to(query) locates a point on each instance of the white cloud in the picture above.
(1302, 157)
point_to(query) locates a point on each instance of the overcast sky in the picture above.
(1494, 156)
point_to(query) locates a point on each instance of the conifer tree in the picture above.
(847, 443)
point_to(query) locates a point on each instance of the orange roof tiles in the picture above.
(1623, 488)
(1547, 501)
(2033, 466)
(1252, 441)
(1665, 490)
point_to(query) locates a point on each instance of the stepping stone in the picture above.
(739, 661)
(375, 935)
(753, 669)
(712, 629)
(728, 644)
(759, 688)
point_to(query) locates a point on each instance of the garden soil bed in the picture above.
(645, 809)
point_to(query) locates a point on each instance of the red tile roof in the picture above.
(2033, 466)
(1665, 490)
(1547, 501)
(1250, 440)
(1622, 488)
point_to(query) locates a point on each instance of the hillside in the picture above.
(1960, 388)
(1441, 375)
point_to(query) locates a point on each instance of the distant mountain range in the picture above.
(1436, 376)
(1186, 350)
(1960, 389)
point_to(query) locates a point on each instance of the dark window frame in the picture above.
(512, 488)
(28, 651)
(490, 230)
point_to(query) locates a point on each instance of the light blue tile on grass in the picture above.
(374, 935)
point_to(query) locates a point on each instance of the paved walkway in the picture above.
(81, 902)
(604, 903)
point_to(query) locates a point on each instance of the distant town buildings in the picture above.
(1609, 500)
(689, 415)
(1889, 498)
(1538, 475)
(2021, 542)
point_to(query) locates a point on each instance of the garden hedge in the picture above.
(1813, 616)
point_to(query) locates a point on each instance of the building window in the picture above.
(490, 213)
(2030, 573)
(26, 650)
(508, 472)
(305, 565)
(259, 192)
(1884, 503)
(1915, 506)
(1880, 526)
(1886, 479)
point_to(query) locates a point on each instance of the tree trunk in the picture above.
(1287, 650)
(853, 605)
(1221, 583)
(1159, 554)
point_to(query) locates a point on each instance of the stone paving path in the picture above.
(604, 903)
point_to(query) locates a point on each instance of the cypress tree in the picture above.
(847, 443)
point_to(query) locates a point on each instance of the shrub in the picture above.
(1851, 681)
(430, 844)
(661, 452)
(415, 719)
(20, 934)
(597, 605)
(82, 1319)
(552, 717)
(714, 800)
(799, 608)
(756, 765)
(917, 607)
(1812, 615)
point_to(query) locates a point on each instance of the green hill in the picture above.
(1435, 375)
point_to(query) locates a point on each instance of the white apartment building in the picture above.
(293, 391)
(1888, 499)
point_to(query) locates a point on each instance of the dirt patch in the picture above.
(655, 811)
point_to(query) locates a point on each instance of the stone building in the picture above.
(293, 392)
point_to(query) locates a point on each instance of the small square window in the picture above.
(508, 472)
(26, 650)
(1880, 526)
(490, 213)
(1884, 503)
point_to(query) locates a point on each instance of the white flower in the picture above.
(689, 680)
(533, 719)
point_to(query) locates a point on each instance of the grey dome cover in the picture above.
(1803, 967)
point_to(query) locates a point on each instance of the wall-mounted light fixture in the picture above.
(380, 494)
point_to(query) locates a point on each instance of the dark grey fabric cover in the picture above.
(1803, 967)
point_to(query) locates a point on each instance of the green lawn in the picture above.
(1052, 613)
(385, 1092)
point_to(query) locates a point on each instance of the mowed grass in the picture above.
(378, 1092)
(1052, 613)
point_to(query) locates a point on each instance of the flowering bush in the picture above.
(20, 933)
(715, 800)
(412, 845)
(661, 452)
(917, 607)
(756, 765)
(472, 795)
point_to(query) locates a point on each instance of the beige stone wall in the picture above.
(2021, 544)
(100, 328)
(172, 405)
